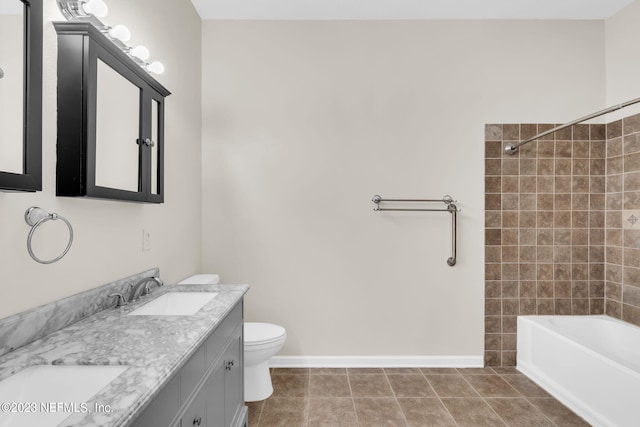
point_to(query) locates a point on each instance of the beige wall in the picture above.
(108, 234)
(623, 64)
(303, 122)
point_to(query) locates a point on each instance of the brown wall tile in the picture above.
(545, 306)
(511, 132)
(581, 149)
(631, 314)
(631, 143)
(614, 129)
(493, 201)
(493, 149)
(555, 241)
(631, 182)
(597, 167)
(614, 147)
(493, 132)
(528, 166)
(492, 184)
(546, 149)
(563, 148)
(614, 165)
(598, 133)
(613, 308)
(631, 124)
(580, 132)
(492, 167)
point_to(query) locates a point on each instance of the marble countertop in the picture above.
(153, 347)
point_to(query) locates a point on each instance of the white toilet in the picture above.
(261, 342)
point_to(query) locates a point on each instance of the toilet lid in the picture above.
(261, 333)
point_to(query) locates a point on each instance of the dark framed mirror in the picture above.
(21, 95)
(110, 120)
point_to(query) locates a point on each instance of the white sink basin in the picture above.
(175, 304)
(49, 394)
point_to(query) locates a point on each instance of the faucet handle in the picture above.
(120, 299)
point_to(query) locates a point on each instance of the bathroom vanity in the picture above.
(179, 370)
(207, 391)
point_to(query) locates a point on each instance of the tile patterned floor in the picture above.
(473, 397)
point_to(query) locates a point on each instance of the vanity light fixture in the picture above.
(155, 67)
(140, 52)
(91, 11)
(119, 32)
(96, 8)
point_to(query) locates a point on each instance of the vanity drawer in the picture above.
(216, 341)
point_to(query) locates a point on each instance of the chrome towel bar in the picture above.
(451, 208)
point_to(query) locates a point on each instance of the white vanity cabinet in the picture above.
(208, 389)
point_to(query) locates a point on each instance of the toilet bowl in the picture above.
(261, 342)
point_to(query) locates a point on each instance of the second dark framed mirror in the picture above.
(21, 95)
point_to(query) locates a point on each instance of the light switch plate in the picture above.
(146, 240)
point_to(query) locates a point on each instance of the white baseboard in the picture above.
(376, 362)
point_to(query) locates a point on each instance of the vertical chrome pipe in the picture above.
(454, 225)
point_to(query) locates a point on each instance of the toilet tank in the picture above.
(201, 279)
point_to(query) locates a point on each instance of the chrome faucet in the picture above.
(144, 285)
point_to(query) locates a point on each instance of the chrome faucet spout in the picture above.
(144, 285)
(147, 286)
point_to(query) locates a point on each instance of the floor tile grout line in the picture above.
(308, 406)
(529, 401)
(539, 410)
(395, 398)
(483, 397)
(353, 401)
(440, 398)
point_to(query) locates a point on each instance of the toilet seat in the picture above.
(256, 334)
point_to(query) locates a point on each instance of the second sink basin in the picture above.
(175, 304)
(45, 395)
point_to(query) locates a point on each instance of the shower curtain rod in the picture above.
(513, 148)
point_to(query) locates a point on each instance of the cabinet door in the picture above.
(233, 384)
(215, 389)
(195, 415)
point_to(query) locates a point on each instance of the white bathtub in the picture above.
(589, 363)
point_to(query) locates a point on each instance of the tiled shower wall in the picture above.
(562, 227)
(622, 251)
(544, 229)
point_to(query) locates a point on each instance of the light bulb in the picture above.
(96, 8)
(155, 67)
(140, 52)
(120, 32)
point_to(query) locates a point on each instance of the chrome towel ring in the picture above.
(34, 216)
